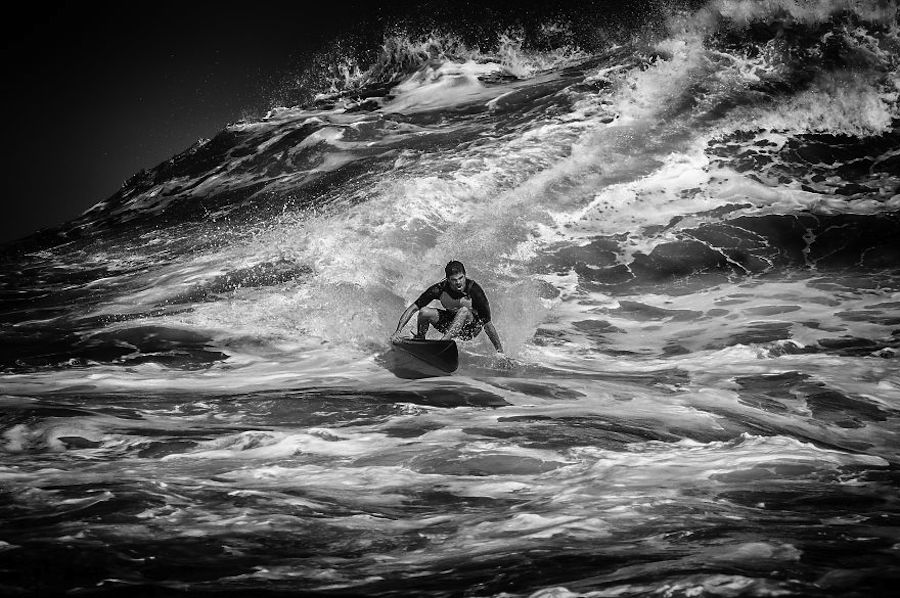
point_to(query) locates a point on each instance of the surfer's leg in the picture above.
(463, 317)
(427, 317)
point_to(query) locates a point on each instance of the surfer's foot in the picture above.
(418, 337)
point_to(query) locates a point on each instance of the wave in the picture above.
(687, 232)
(741, 140)
(810, 74)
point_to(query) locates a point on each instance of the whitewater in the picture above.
(688, 237)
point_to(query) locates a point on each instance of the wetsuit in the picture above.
(451, 300)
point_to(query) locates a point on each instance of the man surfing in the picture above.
(465, 309)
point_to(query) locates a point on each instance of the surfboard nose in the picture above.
(410, 358)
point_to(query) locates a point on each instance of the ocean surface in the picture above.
(689, 238)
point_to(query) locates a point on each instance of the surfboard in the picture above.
(424, 358)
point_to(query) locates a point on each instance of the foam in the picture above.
(442, 86)
(24, 438)
(743, 12)
(255, 445)
(843, 103)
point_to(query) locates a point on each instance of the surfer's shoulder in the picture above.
(430, 294)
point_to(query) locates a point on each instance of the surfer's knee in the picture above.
(465, 314)
(428, 314)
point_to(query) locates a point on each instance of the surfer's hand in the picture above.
(395, 338)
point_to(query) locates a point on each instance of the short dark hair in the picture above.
(454, 267)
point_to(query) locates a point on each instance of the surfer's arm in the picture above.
(492, 334)
(483, 311)
(413, 308)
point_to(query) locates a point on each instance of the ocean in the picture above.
(688, 238)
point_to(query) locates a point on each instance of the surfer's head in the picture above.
(456, 275)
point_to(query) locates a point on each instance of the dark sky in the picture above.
(96, 91)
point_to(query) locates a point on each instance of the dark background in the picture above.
(99, 91)
(96, 91)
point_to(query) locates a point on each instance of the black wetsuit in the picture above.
(451, 301)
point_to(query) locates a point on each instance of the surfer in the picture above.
(465, 309)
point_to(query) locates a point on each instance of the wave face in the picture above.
(689, 241)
